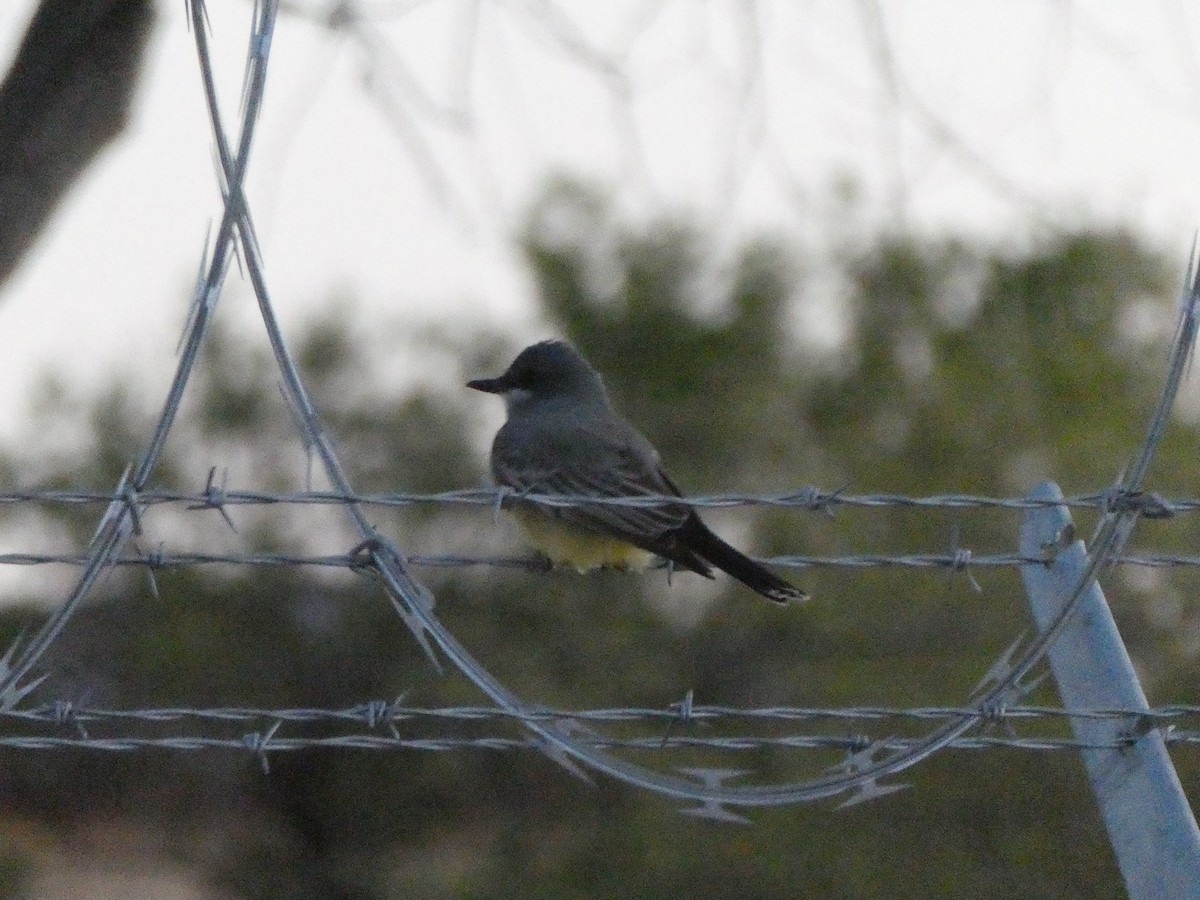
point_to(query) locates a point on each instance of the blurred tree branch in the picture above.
(66, 96)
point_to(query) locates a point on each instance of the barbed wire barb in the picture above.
(683, 709)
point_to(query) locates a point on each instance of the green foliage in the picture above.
(676, 339)
(965, 369)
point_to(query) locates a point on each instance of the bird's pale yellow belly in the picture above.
(582, 550)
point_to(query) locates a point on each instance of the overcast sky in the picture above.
(393, 160)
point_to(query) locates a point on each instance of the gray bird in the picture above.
(562, 436)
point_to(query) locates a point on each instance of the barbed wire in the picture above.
(376, 712)
(260, 744)
(962, 561)
(390, 714)
(1150, 504)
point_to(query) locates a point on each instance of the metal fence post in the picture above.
(1149, 821)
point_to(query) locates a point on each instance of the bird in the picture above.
(563, 437)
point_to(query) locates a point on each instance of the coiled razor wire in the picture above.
(568, 737)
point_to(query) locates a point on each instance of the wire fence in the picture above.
(1179, 725)
(372, 714)
(569, 737)
(261, 743)
(1148, 504)
(962, 561)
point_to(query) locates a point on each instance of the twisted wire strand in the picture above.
(806, 498)
(379, 713)
(260, 744)
(156, 560)
(373, 713)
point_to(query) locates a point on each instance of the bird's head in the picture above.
(545, 371)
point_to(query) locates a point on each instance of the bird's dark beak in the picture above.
(489, 385)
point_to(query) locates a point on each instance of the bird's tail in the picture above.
(696, 536)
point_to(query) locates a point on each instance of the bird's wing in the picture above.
(613, 462)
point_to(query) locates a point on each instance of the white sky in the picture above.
(396, 172)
